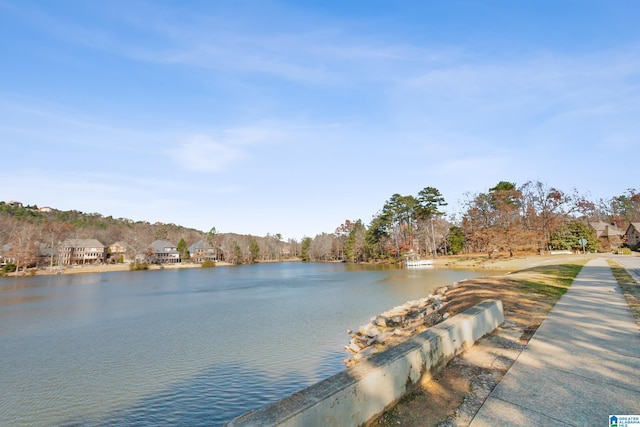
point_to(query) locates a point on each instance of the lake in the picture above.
(184, 347)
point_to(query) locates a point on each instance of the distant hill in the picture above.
(25, 229)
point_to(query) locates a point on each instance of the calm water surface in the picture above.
(183, 347)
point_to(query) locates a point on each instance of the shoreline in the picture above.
(110, 268)
(106, 268)
(466, 262)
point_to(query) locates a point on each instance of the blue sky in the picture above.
(290, 117)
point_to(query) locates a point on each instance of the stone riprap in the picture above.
(396, 325)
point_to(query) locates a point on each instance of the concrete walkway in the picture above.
(582, 364)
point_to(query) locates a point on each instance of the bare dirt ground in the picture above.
(454, 395)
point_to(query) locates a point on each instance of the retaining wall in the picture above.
(355, 396)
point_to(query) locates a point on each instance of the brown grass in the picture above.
(629, 287)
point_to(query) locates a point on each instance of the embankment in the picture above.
(357, 395)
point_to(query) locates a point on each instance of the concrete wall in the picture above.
(353, 397)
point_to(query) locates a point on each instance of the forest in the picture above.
(530, 218)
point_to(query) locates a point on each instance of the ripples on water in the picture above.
(212, 398)
(189, 347)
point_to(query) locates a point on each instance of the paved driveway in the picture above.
(631, 263)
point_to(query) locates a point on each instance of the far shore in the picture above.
(465, 261)
(108, 268)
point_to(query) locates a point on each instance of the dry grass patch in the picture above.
(527, 295)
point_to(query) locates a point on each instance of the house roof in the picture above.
(604, 229)
(635, 225)
(201, 244)
(82, 243)
(164, 246)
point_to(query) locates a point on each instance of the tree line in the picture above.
(532, 217)
(508, 218)
(27, 233)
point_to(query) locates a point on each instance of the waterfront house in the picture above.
(609, 235)
(118, 252)
(163, 252)
(82, 251)
(632, 235)
(202, 251)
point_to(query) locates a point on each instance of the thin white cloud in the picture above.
(204, 152)
(543, 106)
(537, 81)
(201, 153)
(320, 54)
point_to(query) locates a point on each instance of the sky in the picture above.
(290, 117)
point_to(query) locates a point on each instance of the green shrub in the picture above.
(9, 268)
(208, 263)
(138, 267)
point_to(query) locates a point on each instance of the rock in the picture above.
(365, 328)
(354, 347)
(381, 321)
(412, 312)
(383, 337)
(373, 332)
(400, 333)
(405, 320)
(424, 302)
(359, 340)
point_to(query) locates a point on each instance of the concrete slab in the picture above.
(621, 371)
(582, 365)
(500, 413)
(565, 396)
